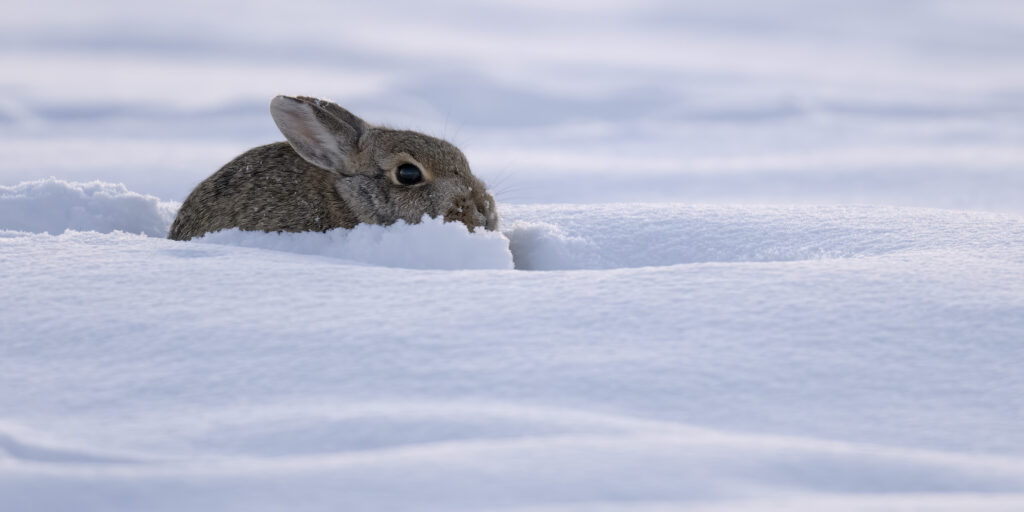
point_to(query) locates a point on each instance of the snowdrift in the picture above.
(707, 357)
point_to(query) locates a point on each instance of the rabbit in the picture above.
(335, 170)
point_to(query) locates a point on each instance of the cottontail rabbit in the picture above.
(335, 171)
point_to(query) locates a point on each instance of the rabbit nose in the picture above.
(474, 210)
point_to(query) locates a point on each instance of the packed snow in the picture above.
(752, 256)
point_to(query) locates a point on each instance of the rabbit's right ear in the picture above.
(321, 132)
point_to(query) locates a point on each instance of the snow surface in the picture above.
(734, 357)
(776, 256)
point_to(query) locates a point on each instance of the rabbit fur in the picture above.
(335, 170)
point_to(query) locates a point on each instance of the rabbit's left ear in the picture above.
(321, 132)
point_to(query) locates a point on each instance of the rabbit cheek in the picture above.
(410, 204)
(370, 202)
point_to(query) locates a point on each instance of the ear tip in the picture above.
(281, 99)
(283, 105)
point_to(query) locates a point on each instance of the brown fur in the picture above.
(334, 171)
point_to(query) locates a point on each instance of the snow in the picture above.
(431, 244)
(572, 237)
(731, 356)
(752, 256)
(54, 205)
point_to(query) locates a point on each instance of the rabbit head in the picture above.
(384, 175)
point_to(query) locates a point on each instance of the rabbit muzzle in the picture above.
(475, 210)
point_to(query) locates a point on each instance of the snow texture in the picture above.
(52, 205)
(752, 256)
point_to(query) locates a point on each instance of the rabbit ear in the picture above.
(321, 132)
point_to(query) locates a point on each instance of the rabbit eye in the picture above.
(408, 174)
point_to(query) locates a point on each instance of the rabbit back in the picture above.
(268, 188)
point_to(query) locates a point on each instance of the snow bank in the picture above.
(52, 206)
(431, 244)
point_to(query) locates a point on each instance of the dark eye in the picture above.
(409, 174)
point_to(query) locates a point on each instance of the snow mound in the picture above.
(431, 244)
(53, 206)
